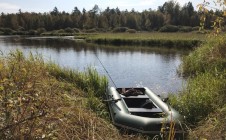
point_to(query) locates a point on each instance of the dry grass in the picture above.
(35, 104)
(212, 128)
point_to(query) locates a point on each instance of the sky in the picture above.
(13, 6)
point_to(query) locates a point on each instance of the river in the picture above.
(152, 67)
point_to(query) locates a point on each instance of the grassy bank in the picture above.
(203, 101)
(43, 101)
(146, 39)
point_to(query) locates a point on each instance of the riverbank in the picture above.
(177, 40)
(203, 100)
(43, 101)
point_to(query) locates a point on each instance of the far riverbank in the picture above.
(177, 40)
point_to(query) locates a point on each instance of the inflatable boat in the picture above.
(140, 110)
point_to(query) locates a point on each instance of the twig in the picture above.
(21, 121)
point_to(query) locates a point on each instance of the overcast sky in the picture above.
(12, 6)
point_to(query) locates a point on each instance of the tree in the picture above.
(217, 20)
(76, 11)
(131, 21)
(55, 11)
(83, 19)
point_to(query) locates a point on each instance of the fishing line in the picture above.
(105, 70)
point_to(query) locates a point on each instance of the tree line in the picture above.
(170, 13)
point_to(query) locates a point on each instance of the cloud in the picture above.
(8, 7)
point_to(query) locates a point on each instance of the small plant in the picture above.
(131, 31)
(76, 30)
(69, 30)
(91, 30)
(185, 29)
(120, 29)
(169, 28)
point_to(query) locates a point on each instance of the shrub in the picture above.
(91, 30)
(120, 29)
(32, 32)
(76, 30)
(69, 30)
(195, 28)
(20, 28)
(7, 31)
(60, 31)
(101, 30)
(41, 30)
(185, 29)
(20, 33)
(169, 28)
(131, 31)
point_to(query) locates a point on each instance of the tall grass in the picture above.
(210, 57)
(90, 82)
(179, 40)
(202, 96)
(43, 101)
(205, 93)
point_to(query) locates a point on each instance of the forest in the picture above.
(170, 17)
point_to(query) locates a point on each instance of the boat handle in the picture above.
(110, 100)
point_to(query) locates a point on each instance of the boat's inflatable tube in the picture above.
(122, 117)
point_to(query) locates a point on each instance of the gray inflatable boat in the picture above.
(140, 110)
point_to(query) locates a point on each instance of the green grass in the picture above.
(152, 35)
(210, 57)
(43, 101)
(205, 95)
(146, 39)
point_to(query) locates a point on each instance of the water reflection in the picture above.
(128, 66)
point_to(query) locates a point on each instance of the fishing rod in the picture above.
(105, 70)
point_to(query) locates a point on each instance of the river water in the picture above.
(152, 67)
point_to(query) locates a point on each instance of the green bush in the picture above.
(41, 30)
(103, 30)
(60, 31)
(91, 30)
(20, 28)
(131, 31)
(195, 28)
(120, 29)
(76, 30)
(20, 33)
(69, 30)
(169, 28)
(7, 31)
(185, 29)
(32, 32)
